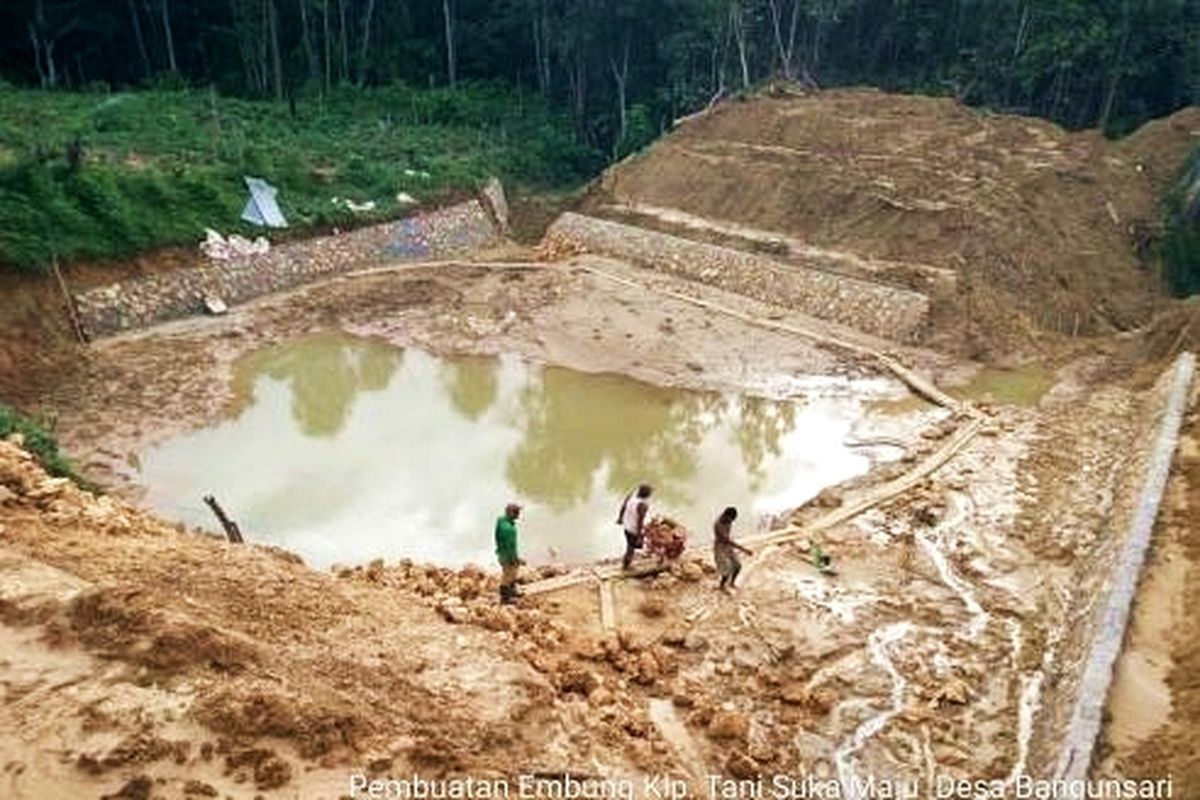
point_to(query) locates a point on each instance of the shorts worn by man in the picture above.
(506, 552)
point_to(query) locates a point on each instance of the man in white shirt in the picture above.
(632, 518)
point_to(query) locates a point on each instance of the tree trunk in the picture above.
(264, 47)
(37, 55)
(51, 67)
(1018, 44)
(345, 37)
(451, 56)
(325, 40)
(716, 63)
(1110, 97)
(621, 76)
(306, 39)
(739, 33)
(577, 76)
(784, 50)
(818, 39)
(537, 53)
(276, 58)
(364, 51)
(541, 47)
(168, 37)
(141, 40)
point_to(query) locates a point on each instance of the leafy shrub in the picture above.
(1180, 245)
(39, 442)
(160, 166)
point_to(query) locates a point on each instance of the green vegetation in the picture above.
(496, 75)
(1180, 245)
(39, 442)
(106, 175)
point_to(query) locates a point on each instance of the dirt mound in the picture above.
(1036, 221)
(1171, 332)
(184, 650)
(1159, 147)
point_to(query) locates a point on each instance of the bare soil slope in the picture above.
(1037, 221)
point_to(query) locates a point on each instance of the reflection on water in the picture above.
(346, 449)
(324, 372)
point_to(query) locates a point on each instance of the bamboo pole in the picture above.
(71, 314)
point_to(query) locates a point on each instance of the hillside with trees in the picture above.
(541, 91)
(624, 68)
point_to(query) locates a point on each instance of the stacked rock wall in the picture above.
(447, 232)
(885, 311)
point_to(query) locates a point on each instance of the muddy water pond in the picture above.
(344, 449)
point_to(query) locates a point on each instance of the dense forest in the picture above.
(377, 100)
(621, 69)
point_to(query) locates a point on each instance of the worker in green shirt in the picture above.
(506, 552)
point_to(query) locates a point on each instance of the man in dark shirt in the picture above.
(506, 552)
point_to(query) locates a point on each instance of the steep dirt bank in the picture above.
(1036, 222)
(37, 342)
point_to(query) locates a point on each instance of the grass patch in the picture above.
(40, 443)
(96, 175)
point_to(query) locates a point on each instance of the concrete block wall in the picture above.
(141, 302)
(1109, 626)
(885, 311)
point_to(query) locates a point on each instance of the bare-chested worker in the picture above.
(725, 549)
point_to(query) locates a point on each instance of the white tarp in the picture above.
(261, 207)
(218, 248)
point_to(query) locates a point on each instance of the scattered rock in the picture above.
(600, 697)
(379, 766)
(741, 766)
(453, 611)
(954, 691)
(648, 668)
(137, 788)
(652, 607)
(729, 725)
(574, 677)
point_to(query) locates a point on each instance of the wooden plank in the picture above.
(881, 494)
(608, 606)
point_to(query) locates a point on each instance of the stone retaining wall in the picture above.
(444, 233)
(889, 312)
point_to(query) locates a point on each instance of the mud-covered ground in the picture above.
(141, 660)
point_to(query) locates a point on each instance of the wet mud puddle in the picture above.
(344, 449)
